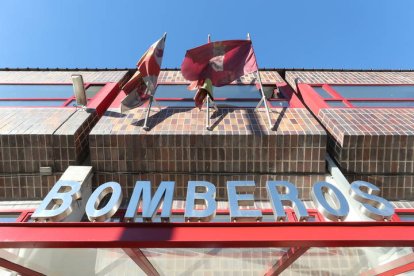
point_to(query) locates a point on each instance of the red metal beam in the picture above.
(139, 258)
(286, 260)
(388, 268)
(312, 99)
(399, 270)
(18, 268)
(103, 99)
(169, 235)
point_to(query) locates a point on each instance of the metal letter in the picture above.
(336, 197)
(164, 195)
(110, 208)
(200, 192)
(245, 199)
(289, 197)
(62, 195)
(372, 206)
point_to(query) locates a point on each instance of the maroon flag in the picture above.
(204, 88)
(144, 82)
(222, 61)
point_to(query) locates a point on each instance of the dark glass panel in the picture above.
(20, 91)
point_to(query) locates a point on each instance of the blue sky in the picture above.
(292, 34)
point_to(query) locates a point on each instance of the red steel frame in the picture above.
(394, 267)
(286, 260)
(100, 101)
(26, 213)
(287, 92)
(316, 101)
(206, 235)
(18, 268)
(299, 236)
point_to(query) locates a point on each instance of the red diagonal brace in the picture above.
(139, 258)
(22, 270)
(286, 260)
(400, 265)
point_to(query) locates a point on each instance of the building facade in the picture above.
(332, 127)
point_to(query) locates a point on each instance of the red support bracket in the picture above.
(188, 235)
(18, 268)
(286, 260)
(394, 267)
(139, 258)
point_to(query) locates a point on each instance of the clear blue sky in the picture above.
(291, 33)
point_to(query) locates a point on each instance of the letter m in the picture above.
(150, 205)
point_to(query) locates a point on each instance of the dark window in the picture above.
(382, 103)
(225, 96)
(406, 216)
(92, 90)
(32, 103)
(20, 91)
(42, 95)
(336, 103)
(374, 91)
(366, 95)
(322, 92)
(9, 217)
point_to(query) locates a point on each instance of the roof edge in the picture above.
(177, 69)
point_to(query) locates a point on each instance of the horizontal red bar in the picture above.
(215, 99)
(379, 99)
(260, 234)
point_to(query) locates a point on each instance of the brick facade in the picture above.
(31, 138)
(371, 140)
(179, 142)
(26, 186)
(372, 144)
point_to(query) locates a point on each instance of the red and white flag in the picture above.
(144, 82)
(221, 61)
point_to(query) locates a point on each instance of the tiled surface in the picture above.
(59, 76)
(302, 182)
(371, 140)
(268, 77)
(371, 144)
(349, 77)
(26, 187)
(393, 187)
(71, 140)
(179, 142)
(51, 137)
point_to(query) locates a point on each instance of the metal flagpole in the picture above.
(152, 100)
(208, 98)
(208, 114)
(145, 127)
(262, 91)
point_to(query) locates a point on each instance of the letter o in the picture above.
(110, 208)
(318, 196)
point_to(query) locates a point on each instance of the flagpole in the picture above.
(152, 100)
(262, 91)
(145, 127)
(208, 98)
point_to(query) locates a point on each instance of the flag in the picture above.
(144, 82)
(204, 88)
(221, 61)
